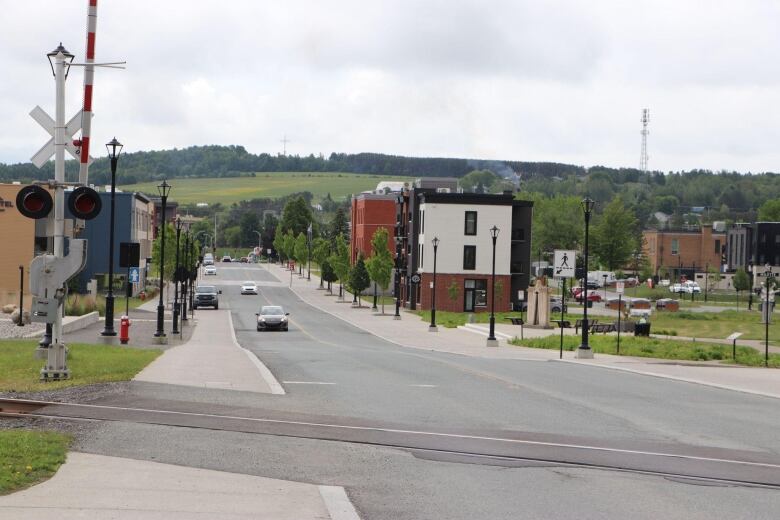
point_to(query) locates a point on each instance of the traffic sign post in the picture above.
(564, 262)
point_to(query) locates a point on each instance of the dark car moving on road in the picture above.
(272, 317)
(206, 296)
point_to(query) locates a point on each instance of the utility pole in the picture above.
(643, 154)
(284, 142)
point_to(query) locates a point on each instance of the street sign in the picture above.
(134, 275)
(768, 274)
(521, 295)
(620, 287)
(564, 263)
(416, 278)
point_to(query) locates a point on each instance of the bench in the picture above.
(515, 320)
(578, 324)
(564, 324)
(603, 328)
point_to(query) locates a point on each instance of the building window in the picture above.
(469, 258)
(470, 227)
(717, 247)
(675, 246)
(480, 293)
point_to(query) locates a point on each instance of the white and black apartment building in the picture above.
(462, 223)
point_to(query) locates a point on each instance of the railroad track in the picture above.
(712, 465)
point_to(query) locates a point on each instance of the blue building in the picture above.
(133, 222)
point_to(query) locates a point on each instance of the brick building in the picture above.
(371, 211)
(462, 222)
(18, 248)
(684, 252)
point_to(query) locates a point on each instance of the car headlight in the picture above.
(260, 319)
(284, 318)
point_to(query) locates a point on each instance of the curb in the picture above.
(77, 323)
(674, 378)
(265, 373)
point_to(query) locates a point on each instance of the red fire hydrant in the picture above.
(124, 330)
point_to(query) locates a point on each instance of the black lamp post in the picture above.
(584, 351)
(398, 243)
(186, 270)
(308, 244)
(433, 327)
(163, 189)
(176, 273)
(491, 341)
(114, 148)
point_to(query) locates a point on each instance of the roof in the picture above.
(479, 199)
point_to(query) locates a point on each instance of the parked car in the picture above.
(210, 269)
(664, 283)
(592, 297)
(244, 260)
(208, 259)
(272, 317)
(677, 288)
(249, 288)
(555, 305)
(227, 258)
(691, 287)
(206, 296)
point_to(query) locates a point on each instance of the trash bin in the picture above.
(589, 303)
(642, 329)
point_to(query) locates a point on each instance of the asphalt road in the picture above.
(338, 375)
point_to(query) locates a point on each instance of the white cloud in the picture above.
(559, 80)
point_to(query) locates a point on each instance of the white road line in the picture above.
(307, 383)
(266, 374)
(425, 386)
(338, 503)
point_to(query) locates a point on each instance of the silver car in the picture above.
(272, 317)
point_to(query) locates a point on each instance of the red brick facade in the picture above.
(680, 250)
(445, 303)
(369, 213)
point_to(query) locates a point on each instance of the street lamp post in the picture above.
(176, 273)
(433, 327)
(491, 341)
(186, 280)
(584, 351)
(114, 148)
(308, 244)
(163, 189)
(767, 314)
(605, 285)
(398, 243)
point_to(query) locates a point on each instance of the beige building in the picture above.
(18, 246)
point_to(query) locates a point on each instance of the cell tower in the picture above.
(645, 131)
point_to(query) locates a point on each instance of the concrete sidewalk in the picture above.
(96, 486)
(212, 358)
(412, 332)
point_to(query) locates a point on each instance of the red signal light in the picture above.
(34, 202)
(84, 203)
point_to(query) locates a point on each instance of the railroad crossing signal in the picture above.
(72, 126)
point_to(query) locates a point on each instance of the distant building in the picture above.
(18, 247)
(171, 212)
(461, 222)
(682, 252)
(390, 187)
(370, 211)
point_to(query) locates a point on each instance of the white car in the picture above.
(692, 287)
(677, 288)
(210, 269)
(249, 288)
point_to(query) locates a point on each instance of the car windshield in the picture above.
(271, 311)
(206, 289)
(249, 283)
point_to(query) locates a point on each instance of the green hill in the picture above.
(228, 190)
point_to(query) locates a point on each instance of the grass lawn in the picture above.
(655, 348)
(88, 364)
(228, 190)
(454, 319)
(28, 457)
(713, 325)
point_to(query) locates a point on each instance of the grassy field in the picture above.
(656, 348)
(273, 185)
(29, 457)
(88, 364)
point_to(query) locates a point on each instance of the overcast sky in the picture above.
(533, 80)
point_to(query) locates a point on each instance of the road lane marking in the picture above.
(424, 386)
(338, 504)
(266, 374)
(307, 383)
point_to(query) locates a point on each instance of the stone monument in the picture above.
(539, 305)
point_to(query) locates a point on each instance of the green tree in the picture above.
(278, 244)
(558, 223)
(320, 250)
(339, 226)
(339, 260)
(328, 274)
(270, 224)
(232, 236)
(741, 282)
(170, 252)
(380, 265)
(249, 223)
(713, 277)
(453, 290)
(769, 211)
(288, 244)
(613, 238)
(296, 216)
(301, 251)
(358, 278)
